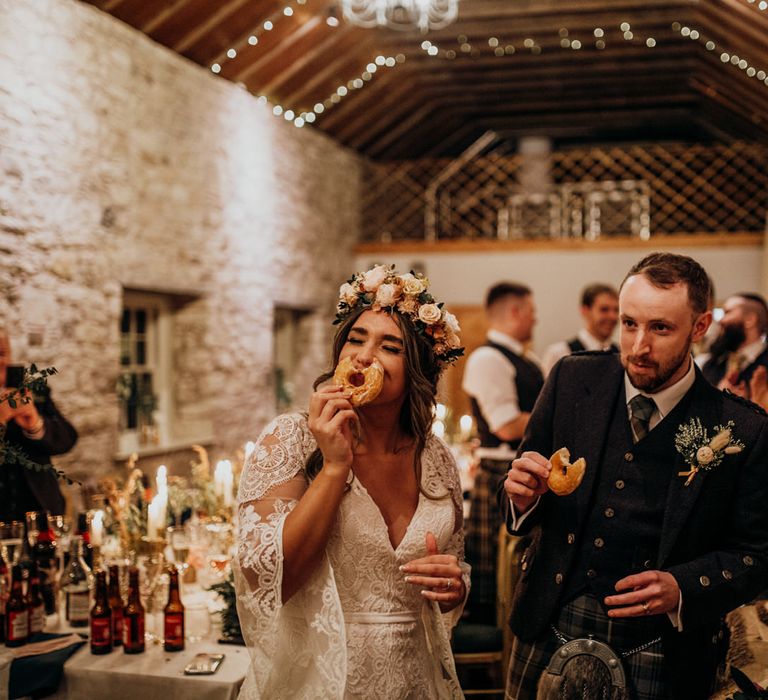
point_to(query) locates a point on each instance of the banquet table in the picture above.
(153, 674)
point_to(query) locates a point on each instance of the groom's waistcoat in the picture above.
(622, 533)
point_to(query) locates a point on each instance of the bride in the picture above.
(350, 571)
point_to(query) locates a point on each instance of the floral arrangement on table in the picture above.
(133, 511)
(381, 288)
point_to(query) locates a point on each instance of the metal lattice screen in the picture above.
(633, 191)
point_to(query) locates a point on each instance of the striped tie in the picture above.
(641, 409)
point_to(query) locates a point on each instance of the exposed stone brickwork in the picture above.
(123, 165)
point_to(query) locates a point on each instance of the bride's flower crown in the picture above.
(383, 289)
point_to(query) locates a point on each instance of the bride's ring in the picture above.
(448, 585)
(645, 607)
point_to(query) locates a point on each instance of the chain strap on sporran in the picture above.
(586, 668)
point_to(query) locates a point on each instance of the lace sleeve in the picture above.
(448, 473)
(288, 647)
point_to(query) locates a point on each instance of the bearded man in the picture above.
(740, 348)
(668, 530)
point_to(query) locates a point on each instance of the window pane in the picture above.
(125, 350)
(141, 351)
(141, 321)
(125, 321)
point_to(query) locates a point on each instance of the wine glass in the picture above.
(10, 542)
(33, 529)
(178, 539)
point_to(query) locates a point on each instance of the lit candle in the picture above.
(223, 480)
(162, 493)
(155, 521)
(441, 410)
(438, 428)
(249, 448)
(97, 528)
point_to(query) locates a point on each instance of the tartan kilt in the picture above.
(579, 618)
(482, 532)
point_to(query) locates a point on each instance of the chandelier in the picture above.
(401, 14)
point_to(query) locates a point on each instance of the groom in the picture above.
(653, 548)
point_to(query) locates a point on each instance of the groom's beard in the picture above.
(731, 338)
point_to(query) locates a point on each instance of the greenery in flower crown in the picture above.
(382, 288)
(35, 382)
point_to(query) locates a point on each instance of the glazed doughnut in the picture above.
(565, 477)
(364, 384)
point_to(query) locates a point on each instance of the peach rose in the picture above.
(451, 322)
(348, 294)
(430, 313)
(387, 294)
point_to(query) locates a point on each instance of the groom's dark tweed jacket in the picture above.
(712, 535)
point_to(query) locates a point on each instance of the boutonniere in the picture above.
(701, 452)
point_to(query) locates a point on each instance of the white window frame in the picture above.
(159, 359)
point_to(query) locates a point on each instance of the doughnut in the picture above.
(565, 477)
(364, 384)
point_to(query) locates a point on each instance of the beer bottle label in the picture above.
(174, 627)
(78, 606)
(101, 631)
(36, 619)
(117, 625)
(18, 625)
(133, 630)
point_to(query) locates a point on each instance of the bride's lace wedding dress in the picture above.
(356, 629)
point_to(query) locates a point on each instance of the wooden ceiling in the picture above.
(506, 66)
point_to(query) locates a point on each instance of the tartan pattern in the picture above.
(580, 617)
(482, 534)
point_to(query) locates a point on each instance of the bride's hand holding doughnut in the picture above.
(331, 416)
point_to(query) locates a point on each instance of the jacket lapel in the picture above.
(704, 404)
(598, 401)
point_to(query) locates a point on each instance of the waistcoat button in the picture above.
(609, 512)
(619, 484)
(591, 573)
(704, 581)
(571, 538)
(599, 542)
(558, 578)
(629, 456)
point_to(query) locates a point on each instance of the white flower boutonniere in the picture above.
(701, 452)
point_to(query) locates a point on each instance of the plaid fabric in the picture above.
(481, 539)
(580, 618)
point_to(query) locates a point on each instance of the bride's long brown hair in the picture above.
(422, 372)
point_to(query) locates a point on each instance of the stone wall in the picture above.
(123, 165)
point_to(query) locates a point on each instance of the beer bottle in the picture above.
(85, 532)
(116, 603)
(16, 612)
(101, 617)
(4, 593)
(174, 614)
(76, 583)
(133, 616)
(35, 603)
(45, 555)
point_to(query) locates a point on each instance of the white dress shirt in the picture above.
(557, 351)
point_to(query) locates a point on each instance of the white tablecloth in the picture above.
(155, 674)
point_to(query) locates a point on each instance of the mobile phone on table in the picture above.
(203, 664)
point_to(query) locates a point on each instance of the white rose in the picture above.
(412, 285)
(387, 294)
(373, 278)
(451, 321)
(430, 313)
(348, 294)
(704, 455)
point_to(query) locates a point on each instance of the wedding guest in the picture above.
(349, 571)
(502, 379)
(37, 430)
(668, 530)
(741, 346)
(600, 314)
